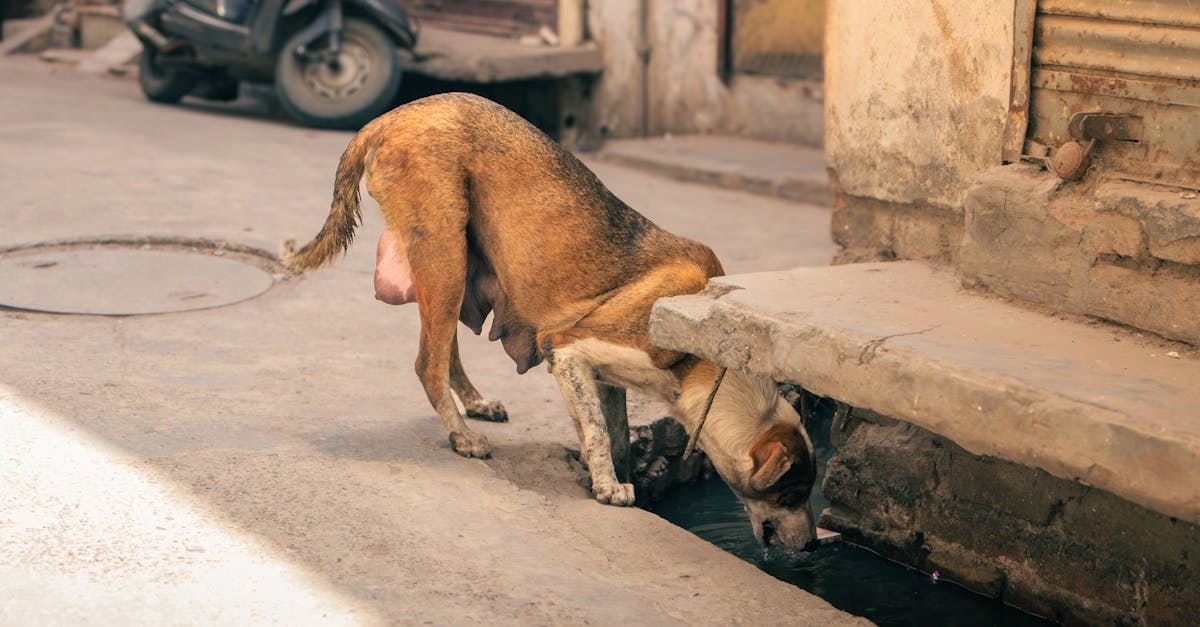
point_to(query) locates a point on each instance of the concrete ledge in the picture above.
(1098, 405)
(30, 30)
(1123, 251)
(788, 171)
(457, 56)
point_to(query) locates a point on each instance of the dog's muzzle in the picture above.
(788, 528)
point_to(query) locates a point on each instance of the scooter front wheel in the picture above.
(343, 90)
(161, 82)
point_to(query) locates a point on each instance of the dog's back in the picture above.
(529, 206)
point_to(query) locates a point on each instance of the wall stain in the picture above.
(962, 76)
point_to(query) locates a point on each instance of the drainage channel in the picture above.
(131, 277)
(851, 578)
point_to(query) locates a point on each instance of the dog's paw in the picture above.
(471, 444)
(491, 411)
(613, 493)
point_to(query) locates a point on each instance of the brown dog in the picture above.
(485, 214)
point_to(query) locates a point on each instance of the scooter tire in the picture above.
(363, 87)
(162, 84)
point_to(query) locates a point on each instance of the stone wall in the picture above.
(656, 460)
(679, 90)
(1124, 251)
(1054, 547)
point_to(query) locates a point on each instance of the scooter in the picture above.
(334, 63)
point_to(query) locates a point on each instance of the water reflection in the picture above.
(850, 578)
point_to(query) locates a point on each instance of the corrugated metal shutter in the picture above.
(493, 17)
(1135, 57)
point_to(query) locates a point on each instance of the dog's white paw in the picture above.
(471, 444)
(613, 493)
(491, 411)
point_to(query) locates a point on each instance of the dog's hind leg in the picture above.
(434, 231)
(439, 311)
(473, 402)
(577, 380)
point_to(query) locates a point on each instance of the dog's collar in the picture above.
(695, 436)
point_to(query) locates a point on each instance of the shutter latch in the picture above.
(1070, 160)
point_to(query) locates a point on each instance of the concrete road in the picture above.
(276, 461)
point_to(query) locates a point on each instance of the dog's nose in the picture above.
(769, 536)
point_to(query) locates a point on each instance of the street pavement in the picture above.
(275, 461)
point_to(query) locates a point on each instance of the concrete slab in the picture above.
(788, 171)
(1097, 404)
(142, 551)
(457, 56)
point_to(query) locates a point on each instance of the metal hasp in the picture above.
(1125, 73)
(1099, 126)
(1070, 160)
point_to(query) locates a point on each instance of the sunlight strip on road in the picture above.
(86, 536)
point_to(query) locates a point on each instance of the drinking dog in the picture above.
(485, 214)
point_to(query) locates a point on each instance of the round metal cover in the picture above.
(123, 279)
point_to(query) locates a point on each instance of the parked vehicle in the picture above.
(334, 63)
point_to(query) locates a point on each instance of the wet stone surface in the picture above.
(656, 460)
(120, 279)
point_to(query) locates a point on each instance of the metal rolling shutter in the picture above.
(1137, 59)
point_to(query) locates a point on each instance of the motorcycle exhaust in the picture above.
(150, 35)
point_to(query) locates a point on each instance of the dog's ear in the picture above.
(771, 463)
(783, 461)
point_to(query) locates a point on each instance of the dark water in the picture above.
(851, 578)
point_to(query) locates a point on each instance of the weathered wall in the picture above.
(683, 92)
(916, 95)
(1075, 554)
(617, 96)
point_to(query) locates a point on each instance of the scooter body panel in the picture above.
(203, 29)
(391, 16)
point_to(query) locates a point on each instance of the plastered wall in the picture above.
(916, 95)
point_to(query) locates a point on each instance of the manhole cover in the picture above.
(131, 278)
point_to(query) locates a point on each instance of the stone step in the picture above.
(22, 33)
(457, 56)
(1082, 400)
(788, 171)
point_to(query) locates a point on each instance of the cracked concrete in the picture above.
(1082, 402)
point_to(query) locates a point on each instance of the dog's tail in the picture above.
(344, 213)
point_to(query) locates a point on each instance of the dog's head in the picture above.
(758, 446)
(777, 490)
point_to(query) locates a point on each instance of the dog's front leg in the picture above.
(613, 405)
(577, 380)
